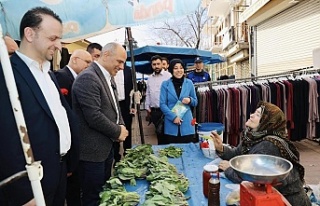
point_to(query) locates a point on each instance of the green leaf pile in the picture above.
(166, 184)
(114, 194)
(163, 193)
(134, 164)
(171, 151)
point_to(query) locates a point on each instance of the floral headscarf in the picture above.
(272, 127)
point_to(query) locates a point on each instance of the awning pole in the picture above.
(134, 81)
(34, 169)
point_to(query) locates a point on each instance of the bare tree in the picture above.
(185, 31)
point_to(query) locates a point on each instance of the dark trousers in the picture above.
(127, 118)
(58, 197)
(93, 176)
(156, 114)
(73, 189)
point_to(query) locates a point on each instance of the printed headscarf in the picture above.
(272, 127)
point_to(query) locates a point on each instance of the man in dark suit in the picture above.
(47, 115)
(96, 104)
(79, 60)
(124, 83)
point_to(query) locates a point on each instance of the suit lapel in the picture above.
(69, 73)
(19, 66)
(184, 89)
(62, 99)
(105, 85)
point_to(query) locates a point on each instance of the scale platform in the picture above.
(259, 173)
(260, 195)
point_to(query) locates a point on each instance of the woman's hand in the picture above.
(223, 165)
(217, 140)
(186, 100)
(177, 121)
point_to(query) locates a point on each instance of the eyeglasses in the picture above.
(87, 61)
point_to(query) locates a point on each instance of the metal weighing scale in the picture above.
(260, 172)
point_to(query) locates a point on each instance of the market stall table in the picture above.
(191, 165)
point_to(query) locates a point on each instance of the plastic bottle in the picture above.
(214, 190)
(206, 175)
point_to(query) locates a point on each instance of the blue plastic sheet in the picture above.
(191, 165)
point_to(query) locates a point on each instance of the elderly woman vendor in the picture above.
(266, 134)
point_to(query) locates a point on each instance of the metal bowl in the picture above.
(261, 169)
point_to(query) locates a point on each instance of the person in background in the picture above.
(48, 117)
(11, 45)
(177, 129)
(79, 60)
(165, 63)
(124, 83)
(266, 134)
(95, 101)
(95, 50)
(198, 75)
(153, 91)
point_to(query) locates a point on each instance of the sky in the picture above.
(142, 34)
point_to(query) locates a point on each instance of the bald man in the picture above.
(79, 60)
(12, 46)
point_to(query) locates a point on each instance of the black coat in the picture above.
(42, 131)
(65, 80)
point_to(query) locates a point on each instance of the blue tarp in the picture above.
(191, 165)
(143, 55)
(83, 18)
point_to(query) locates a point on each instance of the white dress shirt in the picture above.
(108, 79)
(119, 79)
(153, 88)
(51, 94)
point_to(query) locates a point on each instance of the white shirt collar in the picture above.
(29, 62)
(74, 74)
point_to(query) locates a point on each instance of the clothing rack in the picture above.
(231, 101)
(283, 74)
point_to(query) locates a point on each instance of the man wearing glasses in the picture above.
(198, 75)
(79, 60)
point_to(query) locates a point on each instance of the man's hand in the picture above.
(133, 111)
(123, 134)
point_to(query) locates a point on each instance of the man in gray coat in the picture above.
(95, 102)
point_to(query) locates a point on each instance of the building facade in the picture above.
(263, 37)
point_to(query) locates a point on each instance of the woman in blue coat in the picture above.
(177, 128)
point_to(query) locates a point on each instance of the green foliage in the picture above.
(114, 194)
(171, 151)
(166, 184)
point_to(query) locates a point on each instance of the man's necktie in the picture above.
(114, 88)
(113, 84)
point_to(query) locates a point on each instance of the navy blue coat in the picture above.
(42, 131)
(65, 80)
